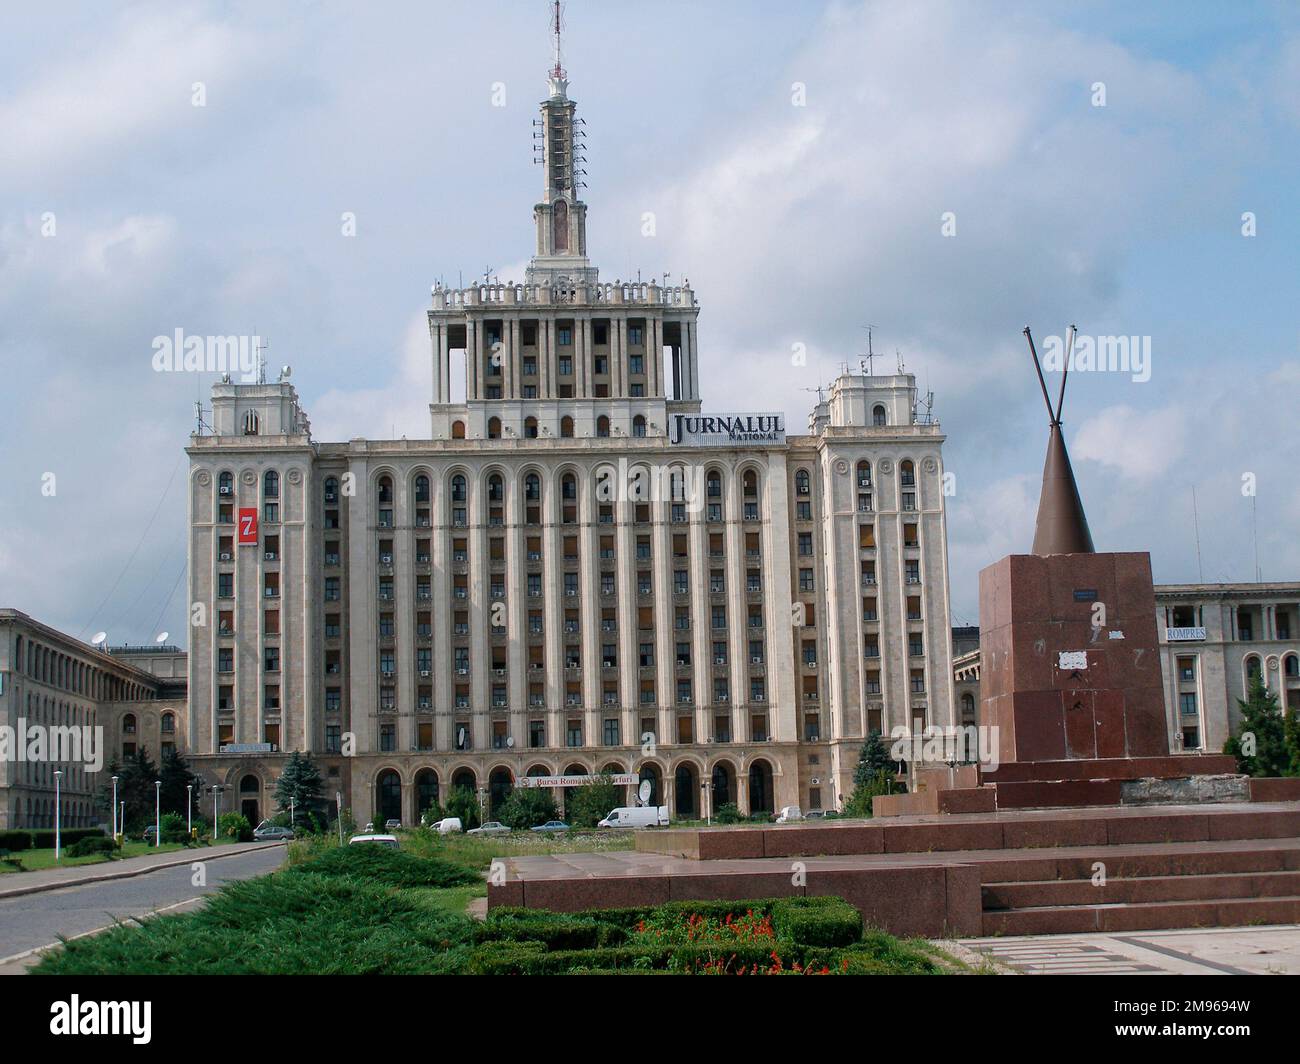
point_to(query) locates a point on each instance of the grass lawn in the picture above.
(35, 860)
(372, 910)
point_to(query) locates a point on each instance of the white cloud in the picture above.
(1139, 444)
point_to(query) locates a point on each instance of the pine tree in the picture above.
(300, 781)
(176, 777)
(1261, 747)
(873, 775)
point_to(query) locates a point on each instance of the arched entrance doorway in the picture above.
(722, 786)
(500, 784)
(567, 792)
(250, 793)
(760, 788)
(388, 798)
(650, 771)
(464, 777)
(686, 790)
(426, 791)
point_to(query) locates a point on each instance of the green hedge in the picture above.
(384, 865)
(89, 847)
(831, 922)
(19, 839)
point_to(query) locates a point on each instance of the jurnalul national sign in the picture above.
(726, 430)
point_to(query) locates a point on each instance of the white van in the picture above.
(448, 825)
(636, 816)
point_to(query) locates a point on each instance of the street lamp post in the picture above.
(291, 805)
(58, 813)
(121, 817)
(113, 811)
(216, 798)
(189, 810)
(157, 813)
(708, 805)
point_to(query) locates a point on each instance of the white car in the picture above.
(379, 840)
(492, 827)
(789, 815)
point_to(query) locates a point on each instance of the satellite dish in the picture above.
(645, 790)
(286, 372)
(460, 736)
(99, 638)
(162, 637)
(510, 740)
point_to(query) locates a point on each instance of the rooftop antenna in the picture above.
(262, 345)
(199, 424)
(557, 25)
(869, 361)
(1196, 525)
(818, 390)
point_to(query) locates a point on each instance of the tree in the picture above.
(463, 804)
(593, 801)
(301, 783)
(527, 807)
(136, 776)
(175, 774)
(873, 775)
(1260, 747)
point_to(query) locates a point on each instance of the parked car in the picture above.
(815, 814)
(268, 832)
(392, 825)
(448, 825)
(378, 840)
(790, 814)
(150, 834)
(552, 825)
(492, 827)
(636, 816)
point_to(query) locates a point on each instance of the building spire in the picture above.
(1062, 526)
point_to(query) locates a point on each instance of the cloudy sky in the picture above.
(1094, 163)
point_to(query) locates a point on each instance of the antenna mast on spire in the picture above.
(557, 71)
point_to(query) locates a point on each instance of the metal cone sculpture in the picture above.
(1062, 527)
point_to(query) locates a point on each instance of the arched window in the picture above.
(864, 474)
(494, 428)
(128, 724)
(532, 487)
(878, 417)
(385, 490)
(271, 484)
(226, 483)
(496, 488)
(750, 483)
(602, 426)
(907, 472)
(250, 424)
(569, 487)
(421, 488)
(388, 797)
(566, 427)
(458, 490)
(458, 430)
(331, 489)
(169, 723)
(638, 426)
(713, 484)
(1252, 667)
(802, 482)
(530, 428)
(1291, 666)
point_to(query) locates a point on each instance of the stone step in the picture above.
(1130, 891)
(1242, 856)
(1143, 916)
(1115, 768)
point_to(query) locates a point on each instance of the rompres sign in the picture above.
(726, 430)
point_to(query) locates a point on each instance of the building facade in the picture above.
(581, 569)
(129, 697)
(1213, 639)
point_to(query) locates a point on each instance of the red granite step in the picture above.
(1143, 916)
(1129, 891)
(1113, 768)
(1220, 858)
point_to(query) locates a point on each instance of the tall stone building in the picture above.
(580, 569)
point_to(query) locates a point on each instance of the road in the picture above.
(35, 920)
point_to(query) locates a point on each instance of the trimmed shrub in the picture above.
(15, 841)
(90, 847)
(235, 826)
(43, 838)
(833, 923)
(553, 930)
(386, 866)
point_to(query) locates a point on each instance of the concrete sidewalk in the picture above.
(15, 884)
